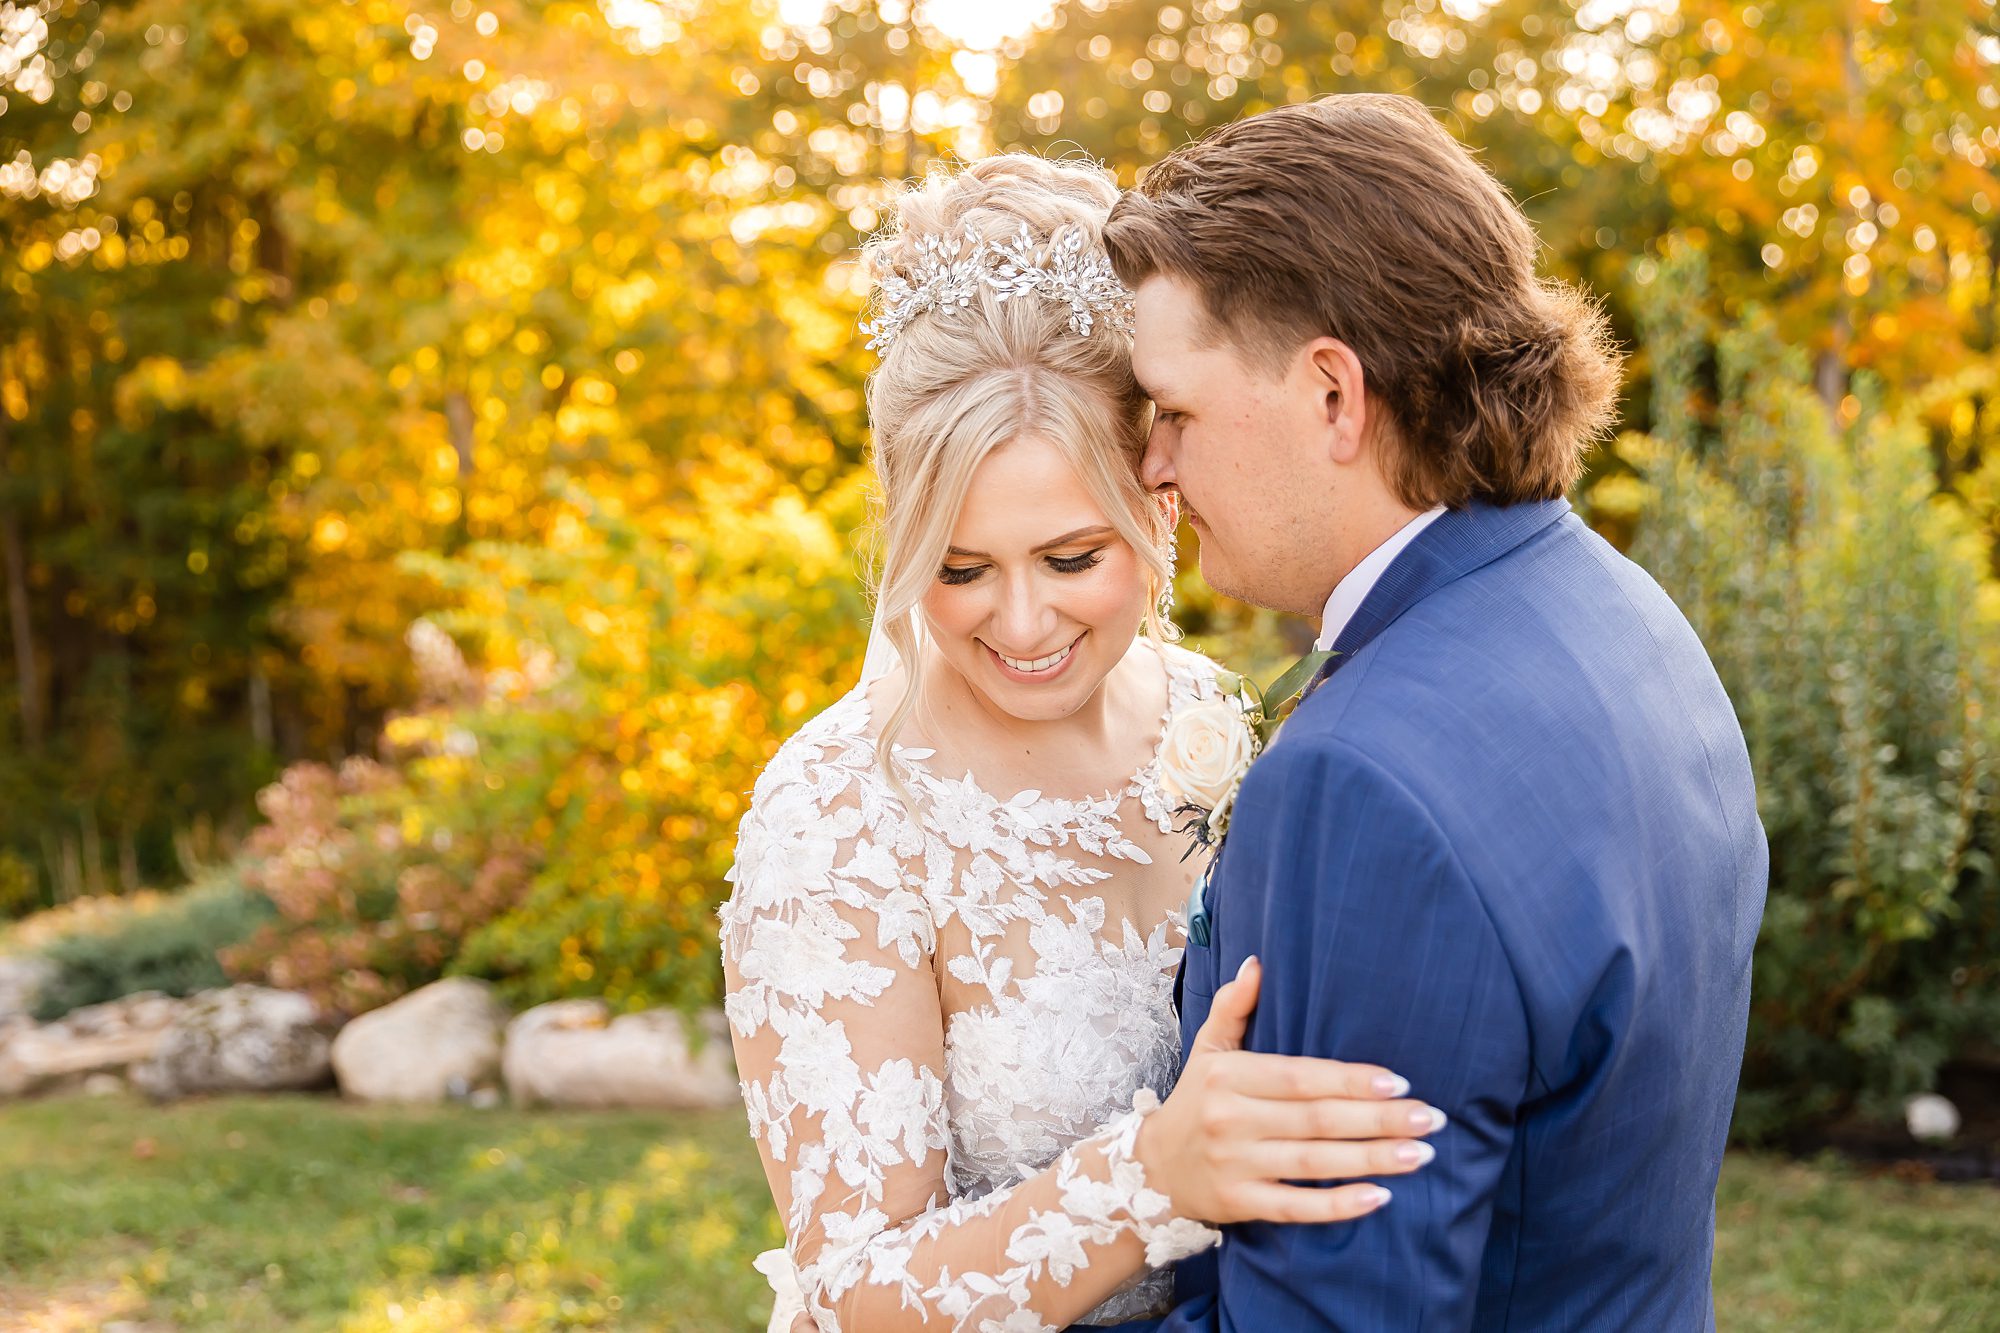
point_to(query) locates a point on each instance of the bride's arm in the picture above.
(840, 1044)
(839, 1038)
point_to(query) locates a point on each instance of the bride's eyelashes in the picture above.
(1076, 564)
(960, 575)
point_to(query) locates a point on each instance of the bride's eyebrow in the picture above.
(1099, 530)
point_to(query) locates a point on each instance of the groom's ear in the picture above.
(1340, 388)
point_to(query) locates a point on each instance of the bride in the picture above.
(951, 942)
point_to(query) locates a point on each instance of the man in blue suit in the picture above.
(1507, 845)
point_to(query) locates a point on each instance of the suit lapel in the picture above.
(1460, 541)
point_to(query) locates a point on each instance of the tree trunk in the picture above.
(52, 861)
(260, 706)
(69, 868)
(128, 860)
(458, 415)
(20, 625)
(1830, 373)
(93, 852)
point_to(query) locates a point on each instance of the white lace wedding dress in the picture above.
(948, 1027)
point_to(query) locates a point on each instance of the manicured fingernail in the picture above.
(1415, 1154)
(1427, 1120)
(1243, 966)
(1391, 1085)
(1375, 1196)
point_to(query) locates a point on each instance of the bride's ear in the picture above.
(1340, 389)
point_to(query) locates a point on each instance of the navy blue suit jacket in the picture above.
(1508, 847)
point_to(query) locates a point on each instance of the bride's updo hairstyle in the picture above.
(960, 380)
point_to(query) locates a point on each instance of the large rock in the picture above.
(238, 1039)
(1931, 1118)
(98, 1038)
(572, 1053)
(440, 1041)
(21, 982)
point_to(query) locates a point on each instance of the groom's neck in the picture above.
(1360, 525)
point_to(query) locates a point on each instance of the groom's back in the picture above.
(1557, 717)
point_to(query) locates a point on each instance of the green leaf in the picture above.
(1295, 678)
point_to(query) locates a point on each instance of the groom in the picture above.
(1508, 845)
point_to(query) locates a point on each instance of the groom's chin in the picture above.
(1221, 578)
(1215, 571)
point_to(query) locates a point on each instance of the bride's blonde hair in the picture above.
(955, 385)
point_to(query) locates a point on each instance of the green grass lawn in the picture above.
(289, 1214)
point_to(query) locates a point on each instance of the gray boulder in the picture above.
(571, 1053)
(440, 1042)
(21, 980)
(237, 1039)
(98, 1038)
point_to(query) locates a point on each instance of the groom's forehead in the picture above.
(1168, 310)
(1168, 333)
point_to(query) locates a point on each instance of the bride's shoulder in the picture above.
(823, 824)
(1191, 675)
(836, 743)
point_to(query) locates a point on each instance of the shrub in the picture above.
(171, 948)
(641, 669)
(20, 891)
(560, 820)
(369, 905)
(1851, 612)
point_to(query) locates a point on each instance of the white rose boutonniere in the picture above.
(1209, 746)
(1208, 749)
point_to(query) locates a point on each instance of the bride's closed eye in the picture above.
(1076, 564)
(959, 575)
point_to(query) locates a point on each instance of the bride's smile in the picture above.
(1039, 669)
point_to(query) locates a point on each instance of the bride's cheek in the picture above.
(1117, 594)
(953, 613)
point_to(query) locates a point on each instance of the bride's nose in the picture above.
(1024, 620)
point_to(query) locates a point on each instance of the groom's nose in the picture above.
(1156, 468)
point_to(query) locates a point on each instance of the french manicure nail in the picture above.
(1415, 1154)
(1391, 1085)
(1244, 966)
(1375, 1196)
(1427, 1120)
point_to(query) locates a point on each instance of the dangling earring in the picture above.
(1171, 510)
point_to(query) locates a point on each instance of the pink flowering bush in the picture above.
(368, 907)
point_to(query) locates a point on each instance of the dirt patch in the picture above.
(75, 1307)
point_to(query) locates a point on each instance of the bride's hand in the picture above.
(1239, 1124)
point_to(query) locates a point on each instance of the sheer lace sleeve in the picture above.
(830, 947)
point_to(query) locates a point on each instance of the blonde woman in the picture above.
(951, 946)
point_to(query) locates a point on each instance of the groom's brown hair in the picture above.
(1359, 217)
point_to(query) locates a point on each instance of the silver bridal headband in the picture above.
(950, 269)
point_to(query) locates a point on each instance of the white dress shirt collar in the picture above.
(1352, 591)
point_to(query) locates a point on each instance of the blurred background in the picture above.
(431, 455)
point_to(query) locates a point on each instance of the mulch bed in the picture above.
(1972, 1157)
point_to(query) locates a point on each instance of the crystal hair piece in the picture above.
(950, 270)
